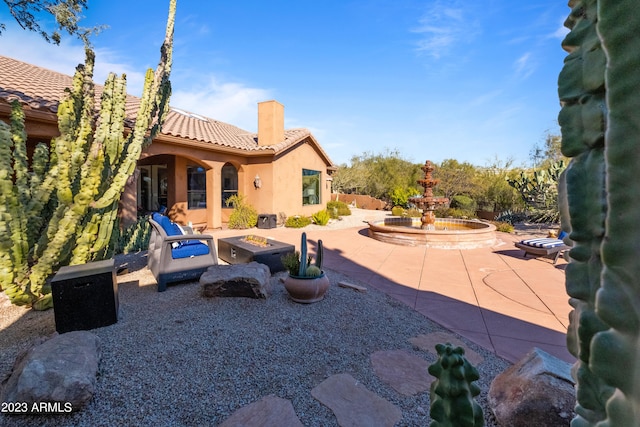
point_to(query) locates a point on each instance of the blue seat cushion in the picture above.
(189, 249)
(167, 225)
(543, 242)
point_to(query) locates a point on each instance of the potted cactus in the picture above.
(306, 282)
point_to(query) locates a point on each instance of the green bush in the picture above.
(243, 215)
(321, 217)
(340, 208)
(464, 203)
(397, 211)
(454, 213)
(413, 213)
(297, 221)
(505, 227)
(400, 196)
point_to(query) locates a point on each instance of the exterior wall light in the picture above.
(257, 182)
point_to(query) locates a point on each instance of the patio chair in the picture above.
(544, 247)
(176, 254)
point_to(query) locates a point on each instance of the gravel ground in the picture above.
(178, 359)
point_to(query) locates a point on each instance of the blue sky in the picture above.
(435, 79)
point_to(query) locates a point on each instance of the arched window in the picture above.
(229, 182)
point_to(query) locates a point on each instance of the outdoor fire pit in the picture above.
(244, 249)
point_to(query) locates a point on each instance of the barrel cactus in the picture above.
(600, 123)
(62, 211)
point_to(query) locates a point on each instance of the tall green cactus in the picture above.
(90, 163)
(600, 121)
(302, 271)
(453, 392)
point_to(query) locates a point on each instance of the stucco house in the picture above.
(196, 162)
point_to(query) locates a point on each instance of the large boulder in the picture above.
(60, 370)
(536, 391)
(237, 280)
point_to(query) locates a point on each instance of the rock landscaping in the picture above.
(177, 358)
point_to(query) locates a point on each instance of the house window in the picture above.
(229, 182)
(310, 187)
(196, 187)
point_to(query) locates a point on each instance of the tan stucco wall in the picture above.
(281, 189)
(288, 181)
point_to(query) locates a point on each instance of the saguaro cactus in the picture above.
(89, 165)
(600, 121)
(453, 391)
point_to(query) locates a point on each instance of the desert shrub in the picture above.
(243, 215)
(413, 213)
(321, 217)
(454, 213)
(397, 211)
(297, 221)
(464, 203)
(400, 196)
(339, 207)
(512, 217)
(505, 227)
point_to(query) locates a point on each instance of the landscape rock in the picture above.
(354, 405)
(270, 411)
(536, 391)
(427, 342)
(406, 373)
(237, 280)
(62, 369)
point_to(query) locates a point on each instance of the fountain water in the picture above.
(442, 233)
(427, 203)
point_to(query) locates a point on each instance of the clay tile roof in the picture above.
(40, 89)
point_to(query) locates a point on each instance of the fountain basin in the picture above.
(449, 233)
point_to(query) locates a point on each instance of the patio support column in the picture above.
(214, 195)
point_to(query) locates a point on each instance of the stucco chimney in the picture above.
(270, 122)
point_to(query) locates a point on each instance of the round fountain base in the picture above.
(449, 233)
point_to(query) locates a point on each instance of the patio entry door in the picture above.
(152, 188)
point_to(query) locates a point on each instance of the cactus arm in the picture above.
(19, 221)
(302, 271)
(110, 129)
(319, 254)
(617, 301)
(7, 271)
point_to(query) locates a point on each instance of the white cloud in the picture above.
(561, 32)
(229, 102)
(524, 66)
(443, 27)
(29, 47)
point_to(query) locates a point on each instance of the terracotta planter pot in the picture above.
(306, 289)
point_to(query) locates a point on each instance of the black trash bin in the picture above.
(85, 296)
(267, 221)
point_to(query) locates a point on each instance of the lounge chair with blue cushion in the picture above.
(175, 256)
(544, 246)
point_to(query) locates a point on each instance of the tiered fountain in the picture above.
(427, 203)
(442, 233)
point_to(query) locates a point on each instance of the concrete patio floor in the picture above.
(493, 296)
